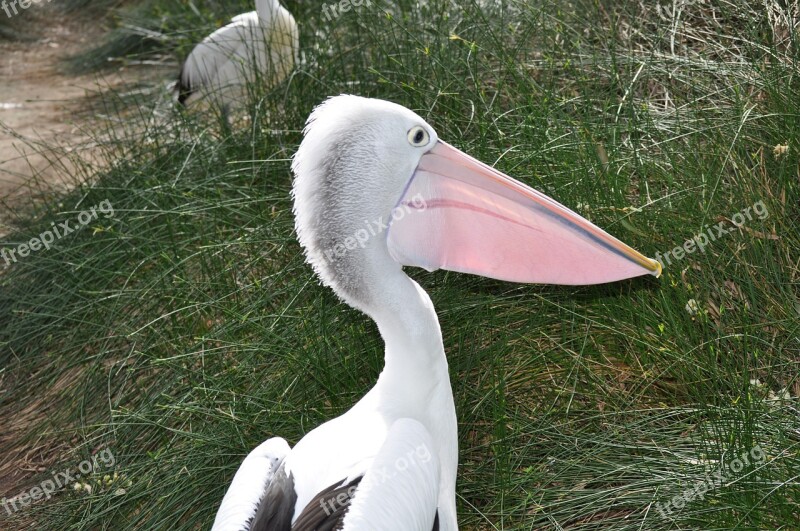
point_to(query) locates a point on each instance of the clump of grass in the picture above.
(186, 329)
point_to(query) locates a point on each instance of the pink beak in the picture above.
(462, 215)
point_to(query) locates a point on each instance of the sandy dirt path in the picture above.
(40, 103)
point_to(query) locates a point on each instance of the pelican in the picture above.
(259, 45)
(376, 190)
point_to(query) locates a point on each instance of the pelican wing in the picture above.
(399, 489)
(327, 509)
(251, 486)
(245, 49)
(218, 60)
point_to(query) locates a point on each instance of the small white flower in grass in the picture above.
(77, 486)
(781, 396)
(692, 307)
(780, 150)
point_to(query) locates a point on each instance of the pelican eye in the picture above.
(418, 136)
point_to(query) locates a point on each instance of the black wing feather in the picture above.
(325, 512)
(184, 86)
(277, 505)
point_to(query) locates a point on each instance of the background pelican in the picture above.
(261, 45)
(376, 190)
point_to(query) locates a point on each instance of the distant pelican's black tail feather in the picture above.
(183, 87)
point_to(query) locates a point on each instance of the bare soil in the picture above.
(42, 105)
(38, 104)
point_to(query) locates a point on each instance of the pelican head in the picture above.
(375, 189)
(355, 161)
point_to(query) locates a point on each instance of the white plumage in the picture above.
(249, 483)
(403, 476)
(256, 47)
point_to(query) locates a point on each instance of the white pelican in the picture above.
(261, 45)
(376, 190)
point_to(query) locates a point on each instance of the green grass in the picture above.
(186, 329)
